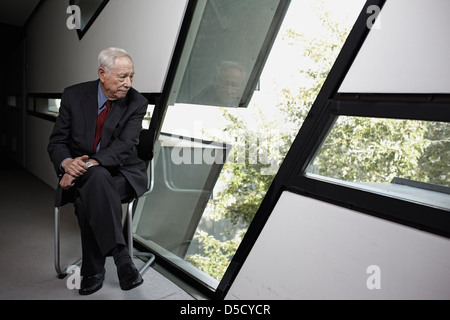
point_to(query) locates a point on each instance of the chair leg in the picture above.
(61, 273)
(137, 254)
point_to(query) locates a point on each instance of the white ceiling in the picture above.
(16, 12)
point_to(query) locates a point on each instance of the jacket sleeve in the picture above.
(60, 138)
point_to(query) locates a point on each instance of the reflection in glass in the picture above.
(226, 53)
(226, 89)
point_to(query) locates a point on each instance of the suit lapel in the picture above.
(90, 109)
(118, 108)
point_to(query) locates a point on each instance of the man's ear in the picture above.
(101, 73)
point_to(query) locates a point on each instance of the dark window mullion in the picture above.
(401, 211)
(427, 111)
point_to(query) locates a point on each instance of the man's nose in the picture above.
(128, 82)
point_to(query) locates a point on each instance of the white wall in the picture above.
(56, 58)
(409, 53)
(147, 29)
(37, 160)
(314, 250)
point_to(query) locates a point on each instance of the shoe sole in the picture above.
(132, 286)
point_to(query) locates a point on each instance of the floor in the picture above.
(27, 243)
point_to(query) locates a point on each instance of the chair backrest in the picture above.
(145, 149)
(145, 145)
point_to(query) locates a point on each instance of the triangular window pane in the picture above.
(89, 11)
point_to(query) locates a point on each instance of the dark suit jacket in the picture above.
(74, 131)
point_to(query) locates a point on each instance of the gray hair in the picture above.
(107, 57)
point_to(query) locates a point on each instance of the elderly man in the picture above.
(93, 150)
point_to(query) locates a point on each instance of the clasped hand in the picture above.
(74, 168)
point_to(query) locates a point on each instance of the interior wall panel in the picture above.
(311, 249)
(147, 29)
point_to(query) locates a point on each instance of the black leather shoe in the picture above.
(129, 276)
(91, 284)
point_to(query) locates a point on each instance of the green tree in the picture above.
(434, 164)
(371, 150)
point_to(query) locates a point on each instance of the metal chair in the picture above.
(145, 152)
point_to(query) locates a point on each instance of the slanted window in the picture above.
(378, 135)
(227, 51)
(222, 143)
(45, 105)
(391, 137)
(405, 159)
(89, 11)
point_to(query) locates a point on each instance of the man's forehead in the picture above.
(124, 67)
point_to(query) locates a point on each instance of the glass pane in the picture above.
(401, 158)
(213, 166)
(225, 52)
(47, 106)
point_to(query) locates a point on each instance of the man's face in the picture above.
(229, 87)
(116, 83)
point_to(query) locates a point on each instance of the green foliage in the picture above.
(244, 172)
(216, 256)
(434, 164)
(371, 150)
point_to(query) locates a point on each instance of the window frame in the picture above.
(252, 83)
(31, 109)
(31, 105)
(329, 106)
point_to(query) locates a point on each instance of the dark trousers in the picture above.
(98, 206)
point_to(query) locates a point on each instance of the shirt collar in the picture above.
(101, 98)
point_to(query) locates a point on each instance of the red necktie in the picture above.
(100, 121)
